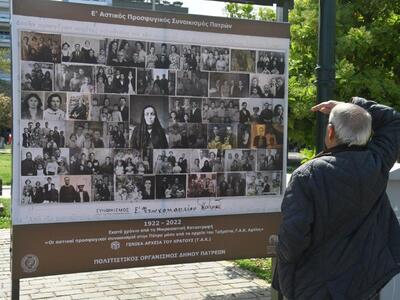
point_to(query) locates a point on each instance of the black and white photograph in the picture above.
(227, 85)
(171, 161)
(269, 159)
(192, 83)
(196, 136)
(43, 134)
(44, 162)
(74, 78)
(109, 108)
(217, 110)
(170, 186)
(231, 184)
(149, 117)
(279, 112)
(184, 110)
(202, 185)
(206, 160)
(77, 49)
(116, 80)
(156, 82)
(163, 56)
(270, 62)
(32, 105)
(178, 135)
(75, 189)
(31, 158)
(102, 188)
(40, 189)
(37, 76)
(214, 59)
(240, 160)
(134, 188)
(78, 106)
(42, 47)
(256, 111)
(244, 136)
(222, 136)
(259, 183)
(55, 106)
(91, 161)
(243, 60)
(85, 135)
(116, 135)
(125, 53)
(190, 58)
(267, 86)
(131, 162)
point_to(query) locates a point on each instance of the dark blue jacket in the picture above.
(339, 238)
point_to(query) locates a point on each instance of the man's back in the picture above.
(340, 238)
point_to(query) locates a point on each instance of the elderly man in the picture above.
(339, 237)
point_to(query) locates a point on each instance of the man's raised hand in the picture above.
(325, 107)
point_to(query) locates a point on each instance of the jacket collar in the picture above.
(339, 148)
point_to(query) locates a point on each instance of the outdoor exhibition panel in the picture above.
(144, 138)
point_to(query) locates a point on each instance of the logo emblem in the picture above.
(29, 263)
(115, 245)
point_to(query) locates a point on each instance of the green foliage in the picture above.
(5, 61)
(5, 216)
(308, 154)
(367, 61)
(5, 167)
(5, 111)
(262, 267)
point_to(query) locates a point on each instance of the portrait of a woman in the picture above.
(53, 111)
(32, 107)
(149, 133)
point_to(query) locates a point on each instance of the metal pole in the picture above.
(153, 5)
(326, 62)
(15, 289)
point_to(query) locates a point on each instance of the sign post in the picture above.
(144, 138)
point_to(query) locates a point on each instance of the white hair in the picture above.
(352, 124)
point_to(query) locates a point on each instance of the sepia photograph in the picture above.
(227, 85)
(115, 80)
(134, 188)
(43, 134)
(156, 82)
(206, 160)
(240, 160)
(102, 188)
(171, 161)
(243, 60)
(214, 59)
(190, 58)
(74, 78)
(87, 135)
(202, 185)
(55, 106)
(170, 186)
(184, 110)
(269, 159)
(78, 49)
(32, 105)
(78, 106)
(267, 86)
(40, 189)
(109, 108)
(37, 76)
(192, 83)
(91, 161)
(163, 56)
(41, 47)
(266, 136)
(149, 117)
(131, 162)
(270, 62)
(231, 184)
(222, 136)
(217, 110)
(75, 189)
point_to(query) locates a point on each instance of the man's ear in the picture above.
(331, 131)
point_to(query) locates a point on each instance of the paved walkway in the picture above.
(215, 280)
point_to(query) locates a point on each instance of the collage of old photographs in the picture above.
(122, 120)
